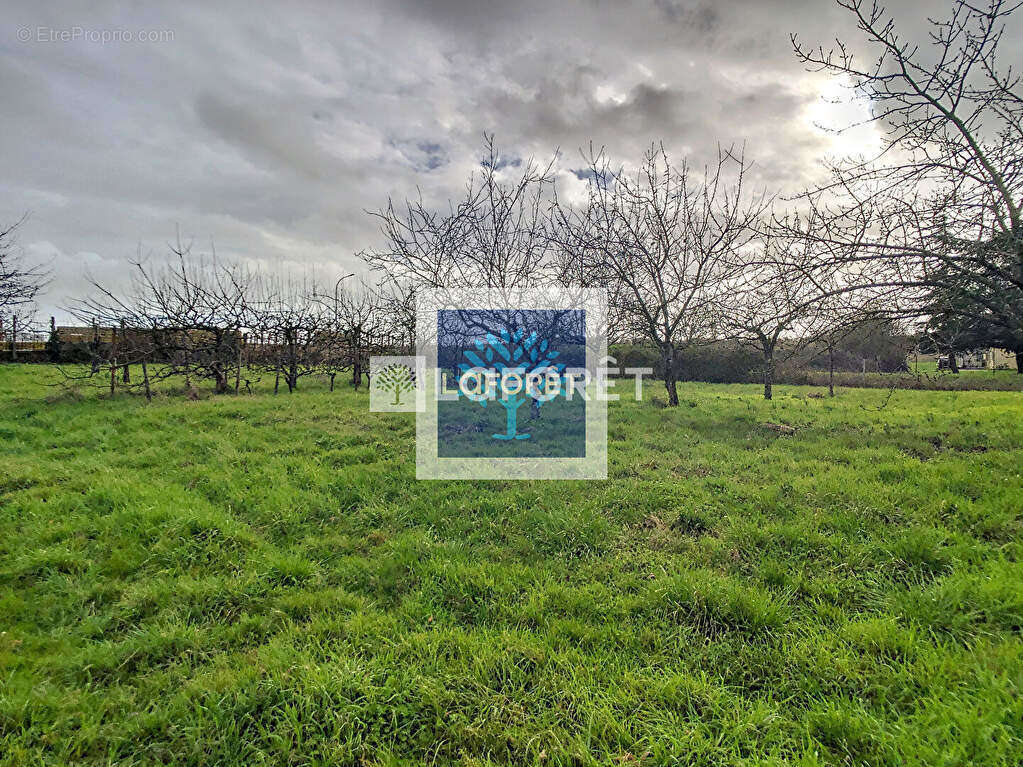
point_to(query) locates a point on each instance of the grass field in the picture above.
(925, 379)
(261, 580)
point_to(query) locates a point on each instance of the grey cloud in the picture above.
(269, 131)
(272, 137)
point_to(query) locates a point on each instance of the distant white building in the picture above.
(982, 359)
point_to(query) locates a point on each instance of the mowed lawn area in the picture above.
(261, 580)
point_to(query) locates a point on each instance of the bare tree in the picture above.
(333, 356)
(496, 235)
(20, 283)
(941, 206)
(773, 306)
(360, 330)
(17, 324)
(184, 318)
(357, 325)
(396, 327)
(293, 328)
(842, 318)
(663, 241)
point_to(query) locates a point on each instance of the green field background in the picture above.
(261, 580)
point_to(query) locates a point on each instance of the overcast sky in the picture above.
(269, 130)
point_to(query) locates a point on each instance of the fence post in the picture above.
(94, 348)
(113, 359)
(145, 380)
(53, 343)
(125, 374)
(238, 370)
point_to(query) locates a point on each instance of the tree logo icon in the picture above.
(511, 370)
(396, 384)
(397, 379)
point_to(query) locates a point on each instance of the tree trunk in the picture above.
(125, 374)
(332, 381)
(221, 378)
(238, 368)
(831, 368)
(1019, 363)
(145, 381)
(953, 363)
(671, 387)
(357, 357)
(292, 376)
(668, 360)
(113, 360)
(768, 374)
(94, 348)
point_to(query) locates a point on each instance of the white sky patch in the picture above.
(43, 250)
(572, 189)
(301, 250)
(836, 107)
(606, 93)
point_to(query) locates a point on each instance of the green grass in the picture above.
(463, 421)
(261, 580)
(924, 379)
